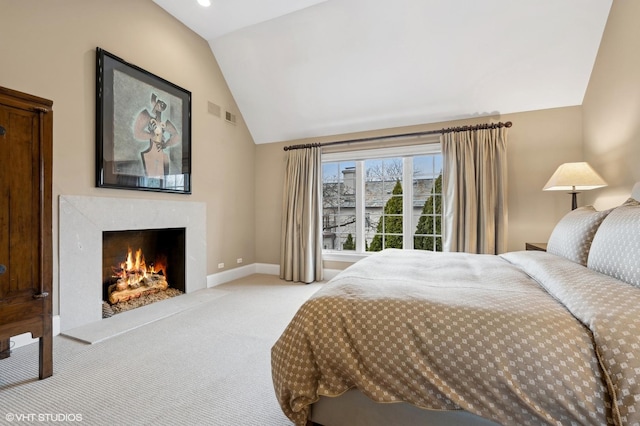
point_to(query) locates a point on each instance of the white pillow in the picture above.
(572, 236)
(635, 191)
(616, 246)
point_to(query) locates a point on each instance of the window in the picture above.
(382, 198)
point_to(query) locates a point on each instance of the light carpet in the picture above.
(205, 365)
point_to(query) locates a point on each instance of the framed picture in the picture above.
(143, 129)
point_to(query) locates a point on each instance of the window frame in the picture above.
(407, 153)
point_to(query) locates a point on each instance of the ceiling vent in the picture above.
(231, 118)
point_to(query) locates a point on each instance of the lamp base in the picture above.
(574, 200)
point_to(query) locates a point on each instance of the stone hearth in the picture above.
(82, 221)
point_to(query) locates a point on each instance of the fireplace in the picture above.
(140, 267)
(83, 220)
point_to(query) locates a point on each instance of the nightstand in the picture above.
(536, 246)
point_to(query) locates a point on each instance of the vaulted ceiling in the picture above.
(308, 68)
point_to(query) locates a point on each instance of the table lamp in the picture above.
(574, 177)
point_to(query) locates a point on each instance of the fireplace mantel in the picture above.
(82, 221)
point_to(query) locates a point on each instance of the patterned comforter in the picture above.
(474, 332)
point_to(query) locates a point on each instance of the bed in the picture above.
(522, 338)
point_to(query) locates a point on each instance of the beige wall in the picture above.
(539, 142)
(48, 50)
(611, 108)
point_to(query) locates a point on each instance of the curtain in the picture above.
(474, 190)
(301, 240)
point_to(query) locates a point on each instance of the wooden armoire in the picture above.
(26, 128)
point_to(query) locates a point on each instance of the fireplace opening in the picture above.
(140, 267)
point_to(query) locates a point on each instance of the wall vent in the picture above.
(215, 109)
(231, 118)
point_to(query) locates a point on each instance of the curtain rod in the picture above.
(404, 135)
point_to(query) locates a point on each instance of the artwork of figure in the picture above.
(161, 136)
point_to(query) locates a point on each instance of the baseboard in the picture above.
(233, 274)
(267, 268)
(256, 268)
(26, 339)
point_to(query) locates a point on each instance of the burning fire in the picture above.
(134, 269)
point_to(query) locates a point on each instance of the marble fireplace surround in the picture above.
(82, 221)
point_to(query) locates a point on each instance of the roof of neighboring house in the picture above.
(377, 193)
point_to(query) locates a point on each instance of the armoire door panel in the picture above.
(20, 217)
(26, 137)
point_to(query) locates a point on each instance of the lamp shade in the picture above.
(574, 177)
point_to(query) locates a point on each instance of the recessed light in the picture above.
(205, 3)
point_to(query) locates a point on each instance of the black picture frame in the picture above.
(143, 129)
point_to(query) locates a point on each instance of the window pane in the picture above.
(339, 205)
(427, 202)
(383, 203)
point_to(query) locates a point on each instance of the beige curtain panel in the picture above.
(474, 190)
(301, 246)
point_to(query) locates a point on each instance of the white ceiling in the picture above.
(305, 68)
